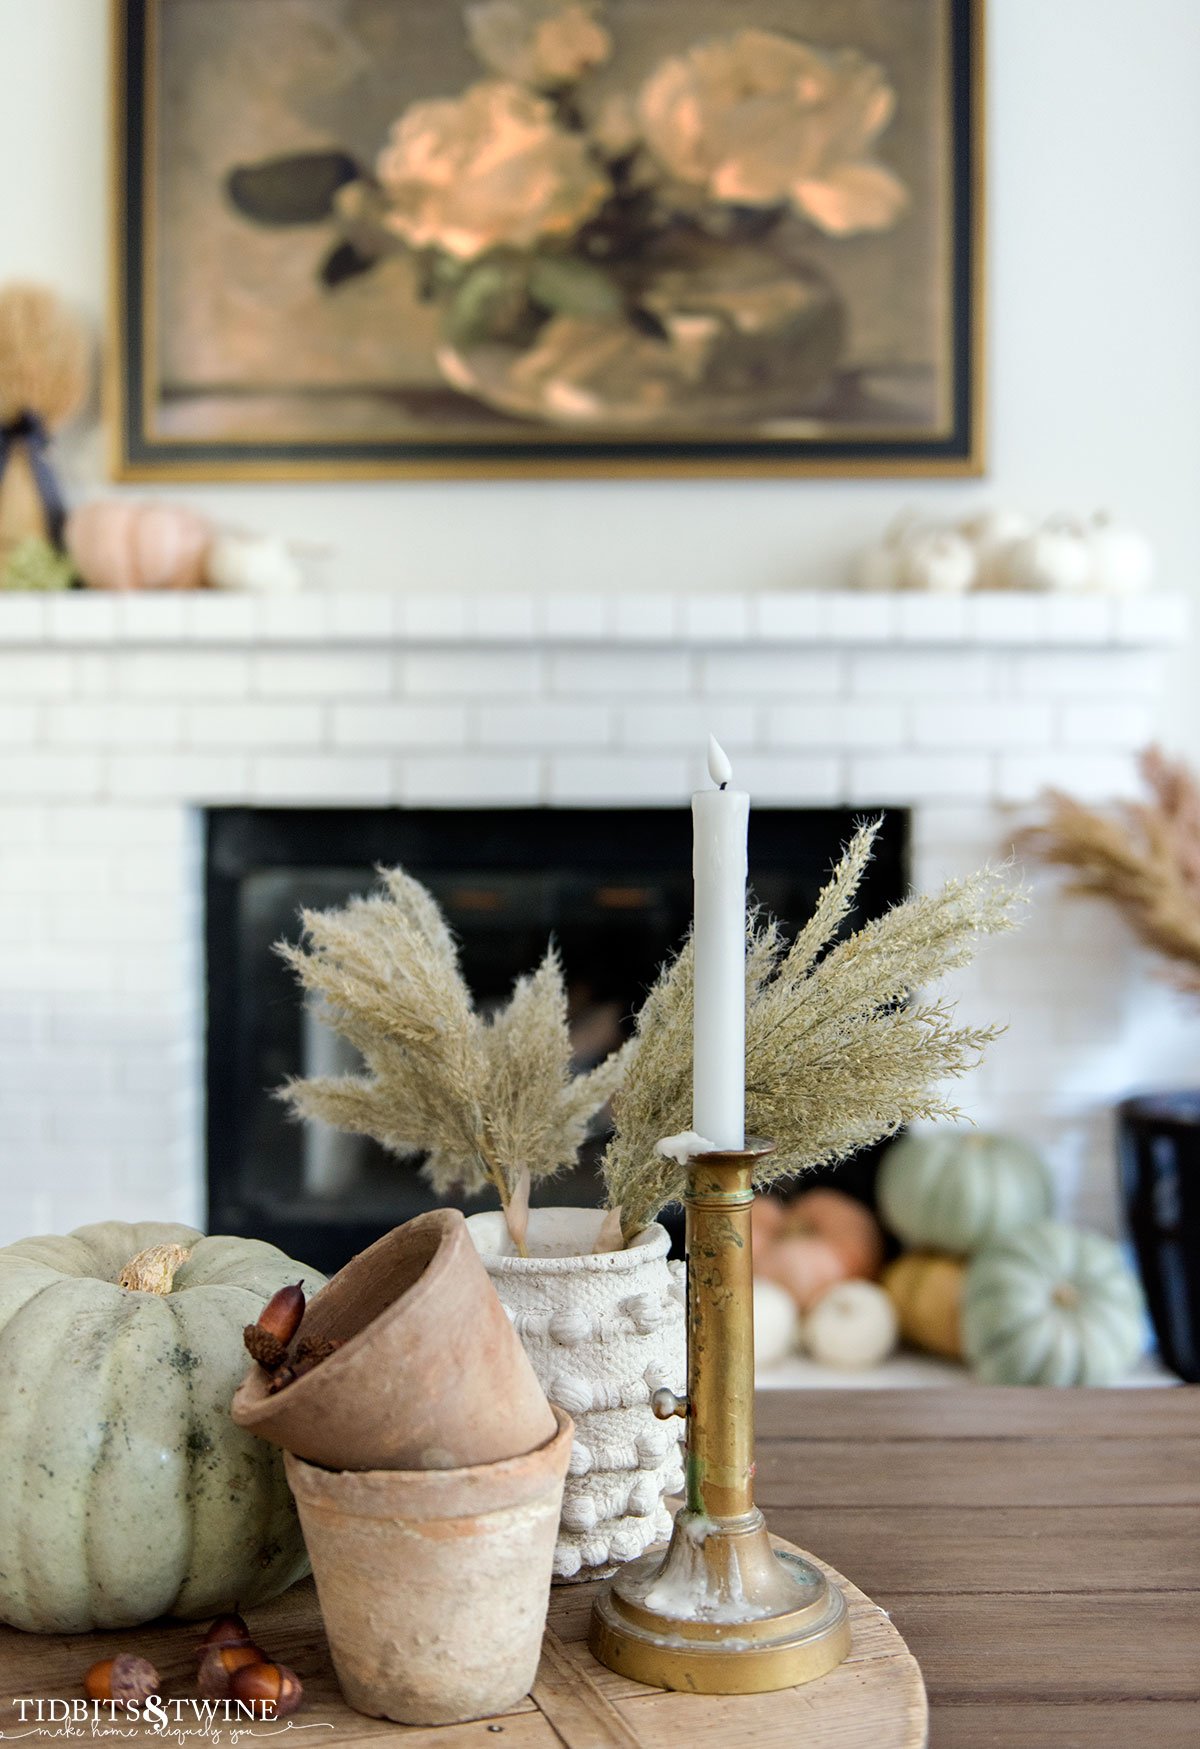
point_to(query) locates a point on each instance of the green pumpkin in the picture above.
(1050, 1305)
(126, 1492)
(955, 1191)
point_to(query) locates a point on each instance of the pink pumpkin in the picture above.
(118, 543)
(842, 1222)
(766, 1222)
(807, 1268)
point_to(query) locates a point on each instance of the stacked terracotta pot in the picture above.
(428, 1468)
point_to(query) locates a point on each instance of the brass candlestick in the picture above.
(721, 1612)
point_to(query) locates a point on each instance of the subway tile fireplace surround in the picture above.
(122, 720)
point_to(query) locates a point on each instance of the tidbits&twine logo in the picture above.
(182, 1721)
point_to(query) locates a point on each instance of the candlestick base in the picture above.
(721, 1612)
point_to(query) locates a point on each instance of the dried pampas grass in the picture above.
(43, 372)
(1143, 856)
(490, 1100)
(43, 356)
(840, 1051)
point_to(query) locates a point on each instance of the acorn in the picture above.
(227, 1630)
(278, 1322)
(220, 1664)
(312, 1350)
(121, 1678)
(269, 1690)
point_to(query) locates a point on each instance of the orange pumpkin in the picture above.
(117, 543)
(847, 1225)
(807, 1268)
(926, 1290)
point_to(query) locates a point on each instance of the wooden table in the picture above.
(1039, 1551)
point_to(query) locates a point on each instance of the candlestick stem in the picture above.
(720, 1335)
(721, 1612)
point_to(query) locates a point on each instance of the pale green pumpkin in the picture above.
(1050, 1305)
(126, 1491)
(956, 1190)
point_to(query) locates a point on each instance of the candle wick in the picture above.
(725, 785)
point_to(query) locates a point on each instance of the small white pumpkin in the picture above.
(994, 534)
(261, 562)
(939, 561)
(1122, 558)
(853, 1325)
(1050, 1305)
(1056, 556)
(776, 1323)
(881, 567)
(953, 1190)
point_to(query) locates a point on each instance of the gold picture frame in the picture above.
(141, 402)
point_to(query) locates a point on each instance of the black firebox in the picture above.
(612, 887)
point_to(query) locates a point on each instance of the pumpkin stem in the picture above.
(152, 1271)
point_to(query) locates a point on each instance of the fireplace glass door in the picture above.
(611, 888)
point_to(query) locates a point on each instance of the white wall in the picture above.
(1094, 348)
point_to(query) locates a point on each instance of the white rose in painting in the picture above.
(538, 42)
(756, 119)
(468, 174)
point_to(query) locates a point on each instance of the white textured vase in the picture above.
(603, 1332)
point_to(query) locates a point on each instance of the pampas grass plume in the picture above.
(43, 355)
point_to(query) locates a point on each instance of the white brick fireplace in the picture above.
(121, 719)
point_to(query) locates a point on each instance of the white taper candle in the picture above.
(720, 821)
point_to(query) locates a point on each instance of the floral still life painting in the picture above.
(379, 235)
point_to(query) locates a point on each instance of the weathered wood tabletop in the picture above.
(1038, 1550)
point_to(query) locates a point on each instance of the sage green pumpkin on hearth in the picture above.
(126, 1491)
(956, 1190)
(1050, 1305)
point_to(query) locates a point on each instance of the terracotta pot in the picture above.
(431, 1376)
(434, 1584)
(603, 1331)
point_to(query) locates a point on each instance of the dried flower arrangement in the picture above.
(1144, 856)
(840, 1050)
(489, 1100)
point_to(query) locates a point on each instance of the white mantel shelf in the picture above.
(839, 618)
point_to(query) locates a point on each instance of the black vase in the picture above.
(1159, 1137)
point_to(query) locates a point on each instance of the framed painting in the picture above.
(395, 237)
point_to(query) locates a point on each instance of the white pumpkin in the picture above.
(776, 1323)
(994, 534)
(1122, 558)
(939, 561)
(260, 562)
(881, 567)
(853, 1325)
(1056, 556)
(1049, 1305)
